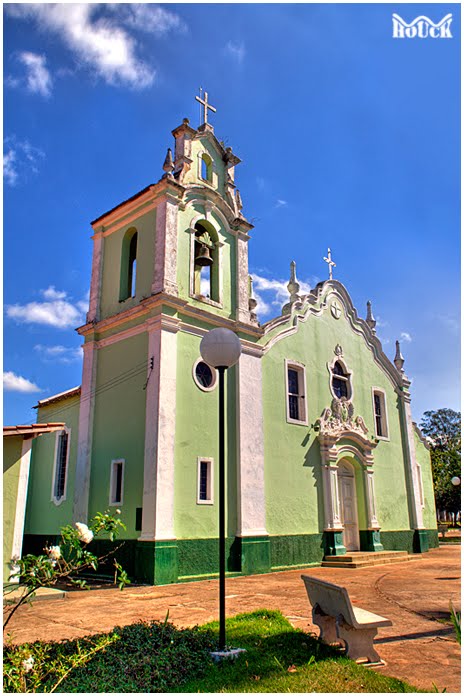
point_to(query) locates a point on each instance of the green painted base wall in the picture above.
(296, 550)
(370, 540)
(404, 540)
(165, 562)
(201, 556)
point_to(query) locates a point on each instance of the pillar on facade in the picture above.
(157, 547)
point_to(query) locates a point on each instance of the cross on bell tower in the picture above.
(205, 104)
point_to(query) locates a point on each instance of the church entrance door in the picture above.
(348, 506)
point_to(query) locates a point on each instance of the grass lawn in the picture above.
(282, 659)
(157, 657)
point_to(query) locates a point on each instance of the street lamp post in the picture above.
(221, 348)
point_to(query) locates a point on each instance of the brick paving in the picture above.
(419, 647)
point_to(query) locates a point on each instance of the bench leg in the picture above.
(327, 625)
(359, 642)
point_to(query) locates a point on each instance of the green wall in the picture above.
(112, 257)
(12, 448)
(423, 458)
(119, 426)
(43, 516)
(197, 436)
(292, 451)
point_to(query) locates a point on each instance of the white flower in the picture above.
(85, 534)
(54, 553)
(28, 664)
(118, 511)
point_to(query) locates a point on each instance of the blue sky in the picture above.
(349, 139)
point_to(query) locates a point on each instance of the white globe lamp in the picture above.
(456, 481)
(220, 348)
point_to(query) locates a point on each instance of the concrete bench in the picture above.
(339, 620)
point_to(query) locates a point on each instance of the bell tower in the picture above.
(213, 232)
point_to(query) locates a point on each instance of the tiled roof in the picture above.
(31, 430)
(57, 397)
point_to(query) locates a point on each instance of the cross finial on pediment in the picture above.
(205, 104)
(328, 260)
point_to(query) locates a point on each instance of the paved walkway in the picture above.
(415, 595)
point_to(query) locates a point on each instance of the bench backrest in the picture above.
(332, 599)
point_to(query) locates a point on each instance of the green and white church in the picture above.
(322, 455)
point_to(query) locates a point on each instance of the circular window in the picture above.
(204, 375)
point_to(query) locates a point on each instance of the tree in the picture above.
(443, 428)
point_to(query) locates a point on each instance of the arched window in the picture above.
(128, 265)
(206, 271)
(206, 168)
(340, 381)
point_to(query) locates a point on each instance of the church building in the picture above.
(322, 455)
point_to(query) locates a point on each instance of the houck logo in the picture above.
(422, 27)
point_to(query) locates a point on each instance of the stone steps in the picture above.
(365, 559)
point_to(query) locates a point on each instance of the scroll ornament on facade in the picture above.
(340, 419)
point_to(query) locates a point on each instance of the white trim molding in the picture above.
(21, 497)
(212, 386)
(58, 436)
(383, 415)
(160, 430)
(209, 500)
(349, 376)
(251, 512)
(300, 369)
(85, 433)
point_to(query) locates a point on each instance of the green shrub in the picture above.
(144, 657)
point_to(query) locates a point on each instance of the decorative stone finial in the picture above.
(168, 165)
(252, 303)
(370, 321)
(186, 121)
(399, 360)
(293, 286)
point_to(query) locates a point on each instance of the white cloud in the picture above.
(59, 353)
(271, 293)
(19, 158)
(52, 294)
(58, 311)
(280, 203)
(10, 173)
(406, 337)
(97, 42)
(38, 78)
(13, 382)
(148, 17)
(236, 49)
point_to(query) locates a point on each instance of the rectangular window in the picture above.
(61, 466)
(117, 482)
(380, 414)
(205, 481)
(296, 405)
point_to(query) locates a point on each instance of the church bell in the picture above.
(204, 257)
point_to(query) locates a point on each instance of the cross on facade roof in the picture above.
(206, 106)
(328, 259)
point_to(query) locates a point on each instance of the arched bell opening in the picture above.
(206, 262)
